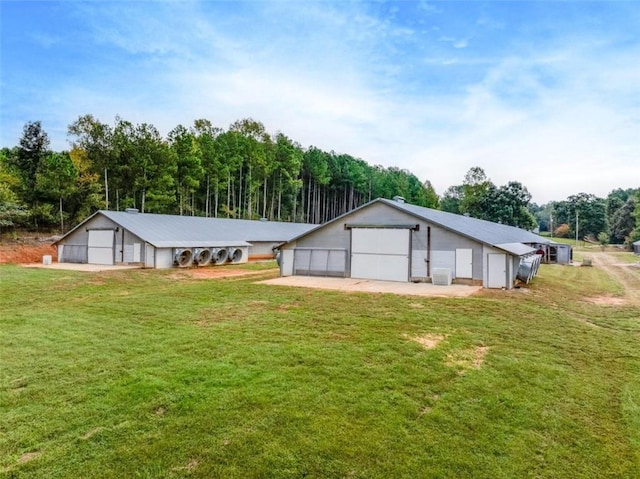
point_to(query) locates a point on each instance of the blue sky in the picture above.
(546, 93)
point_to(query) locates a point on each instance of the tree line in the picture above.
(201, 170)
(614, 219)
(245, 172)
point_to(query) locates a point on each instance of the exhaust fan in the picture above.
(182, 257)
(219, 256)
(202, 256)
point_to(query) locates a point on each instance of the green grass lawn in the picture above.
(137, 374)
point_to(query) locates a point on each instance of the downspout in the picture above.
(428, 260)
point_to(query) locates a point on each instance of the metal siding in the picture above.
(79, 239)
(164, 257)
(129, 252)
(259, 248)
(444, 259)
(445, 240)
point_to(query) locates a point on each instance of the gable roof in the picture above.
(166, 231)
(481, 230)
(504, 237)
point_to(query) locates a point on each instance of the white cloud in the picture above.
(547, 113)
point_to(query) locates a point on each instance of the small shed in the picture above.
(163, 241)
(636, 247)
(392, 240)
(555, 253)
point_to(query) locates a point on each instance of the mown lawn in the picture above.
(141, 374)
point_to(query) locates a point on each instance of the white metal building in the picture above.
(163, 241)
(395, 241)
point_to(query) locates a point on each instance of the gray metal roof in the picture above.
(485, 231)
(517, 249)
(165, 231)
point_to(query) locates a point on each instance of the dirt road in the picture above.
(627, 274)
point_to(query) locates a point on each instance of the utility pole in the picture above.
(577, 215)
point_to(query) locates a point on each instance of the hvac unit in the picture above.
(202, 256)
(441, 276)
(219, 255)
(235, 255)
(182, 257)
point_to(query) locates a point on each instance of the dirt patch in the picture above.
(191, 466)
(607, 301)
(353, 285)
(91, 433)
(626, 274)
(428, 341)
(18, 253)
(466, 359)
(213, 272)
(29, 456)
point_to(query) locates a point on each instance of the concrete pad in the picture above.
(82, 267)
(369, 286)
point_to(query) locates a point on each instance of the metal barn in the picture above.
(396, 241)
(636, 247)
(163, 241)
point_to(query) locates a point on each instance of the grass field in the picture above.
(143, 374)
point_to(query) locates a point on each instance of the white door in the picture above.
(497, 270)
(380, 254)
(286, 262)
(100, 247)
(149, 256)
(464, 263)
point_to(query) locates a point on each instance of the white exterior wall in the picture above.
(164, 258)
(261, 248)
(512, 264)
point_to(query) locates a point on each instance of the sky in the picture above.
(546, 93)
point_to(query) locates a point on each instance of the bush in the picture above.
(562, 231)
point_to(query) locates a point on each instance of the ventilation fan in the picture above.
(182, 257)
(202, 256)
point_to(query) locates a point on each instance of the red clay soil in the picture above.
(19, 253)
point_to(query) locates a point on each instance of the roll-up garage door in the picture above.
(380, 253)
(100, 247)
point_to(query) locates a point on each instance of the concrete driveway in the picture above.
(94, 268)
(369, 286)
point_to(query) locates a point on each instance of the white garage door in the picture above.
(100, 250)
(380, 254)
